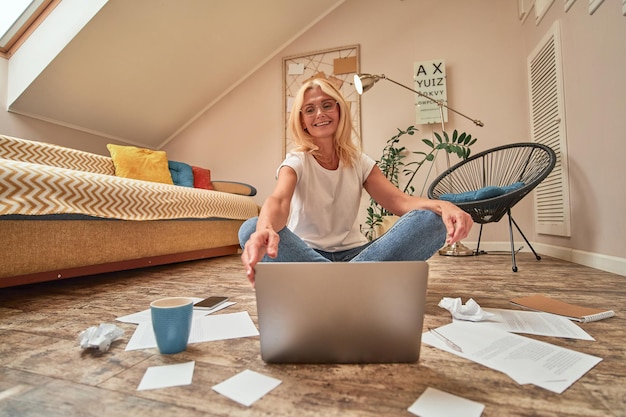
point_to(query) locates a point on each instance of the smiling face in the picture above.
(319, 113)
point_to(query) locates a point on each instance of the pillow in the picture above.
(181, 173)
(481, 194)
(202, 178)
(140, 163)
(515, 186)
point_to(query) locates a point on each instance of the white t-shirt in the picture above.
(325, 203)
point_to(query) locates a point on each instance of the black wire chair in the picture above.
(487, 185)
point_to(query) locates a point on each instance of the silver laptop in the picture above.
(341, 312)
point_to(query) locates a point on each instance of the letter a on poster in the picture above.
(430, 79)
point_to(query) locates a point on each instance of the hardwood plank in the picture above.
(58, 398)
(43, 371)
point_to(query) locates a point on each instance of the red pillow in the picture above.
(202, 178)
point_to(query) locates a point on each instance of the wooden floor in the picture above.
(43, 371)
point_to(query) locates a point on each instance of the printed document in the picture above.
(525, 360)
(534, 322)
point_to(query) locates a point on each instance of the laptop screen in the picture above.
(331, 312)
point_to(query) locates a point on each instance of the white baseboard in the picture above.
(599, 261)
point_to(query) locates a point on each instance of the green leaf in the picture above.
(392, 162)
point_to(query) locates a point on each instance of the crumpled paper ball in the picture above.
(99, 337)
(471, 311)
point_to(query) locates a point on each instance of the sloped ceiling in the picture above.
(141, 70)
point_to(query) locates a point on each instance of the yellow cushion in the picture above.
(140, 163)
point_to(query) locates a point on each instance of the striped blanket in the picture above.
(35, 180)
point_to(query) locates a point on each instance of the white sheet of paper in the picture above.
(222, 326)
(534, 322)
(436, 403)
(142, 338)
(246, 387)
(526, 360)
(167, 376)
(289, 104)
(295, 69)
(203, 329)
(145, 315)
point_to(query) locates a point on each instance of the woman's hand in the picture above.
(458, 223)
(273, 216)
(262, 242)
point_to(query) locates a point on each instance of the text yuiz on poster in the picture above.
(430, 80)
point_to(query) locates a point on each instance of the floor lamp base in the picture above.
(456, 249)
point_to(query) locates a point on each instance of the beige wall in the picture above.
(485, 47)
(594, 61)
(391, 44)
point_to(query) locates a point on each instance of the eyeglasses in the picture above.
(325, 106)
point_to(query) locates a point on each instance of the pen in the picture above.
(449, 342)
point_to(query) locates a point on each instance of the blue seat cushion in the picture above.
(182, 174)
(481, 194)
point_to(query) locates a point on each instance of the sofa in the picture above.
(67, 213)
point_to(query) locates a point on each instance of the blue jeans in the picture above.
(416, 236)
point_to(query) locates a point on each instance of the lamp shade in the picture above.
(363, 82)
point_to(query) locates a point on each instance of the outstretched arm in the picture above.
(458, 223)
(272, 218)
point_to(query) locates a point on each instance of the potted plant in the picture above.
(392, 163)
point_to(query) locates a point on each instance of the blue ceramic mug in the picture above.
(171, 322)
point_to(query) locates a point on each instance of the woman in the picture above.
(311, 214)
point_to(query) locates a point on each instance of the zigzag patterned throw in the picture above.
(34, 189)
(56, 156)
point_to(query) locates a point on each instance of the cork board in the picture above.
(336, 64)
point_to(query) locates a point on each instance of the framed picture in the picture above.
(337, 65)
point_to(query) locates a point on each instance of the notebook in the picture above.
(572, 312)
(341, 312)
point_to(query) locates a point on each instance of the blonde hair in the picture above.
(345, 148)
